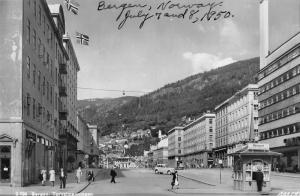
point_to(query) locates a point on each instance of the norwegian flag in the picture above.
(82, 39)
(72, 6)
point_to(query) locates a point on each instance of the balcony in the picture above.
(62, 91)
(63, 68)
(62, 133)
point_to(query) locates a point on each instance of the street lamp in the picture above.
(220, 163)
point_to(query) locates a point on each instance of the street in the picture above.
(139, 182)
(145, 182)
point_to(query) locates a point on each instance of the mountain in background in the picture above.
(169, 105)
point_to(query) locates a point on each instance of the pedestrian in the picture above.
(52, 176)
(259, 177)
(78, 174)
(93, 176)
(113, 174)
(175, 180)
(62, 177)
(44, 176)
(90, 175)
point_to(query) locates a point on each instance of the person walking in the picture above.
(259, 177)
(113, 174)
(44, 176)
(175, 180)
(78, 174)
(52, 176)
(62, 177)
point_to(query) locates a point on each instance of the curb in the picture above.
(197, 180)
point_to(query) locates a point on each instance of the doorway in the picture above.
(5, 169)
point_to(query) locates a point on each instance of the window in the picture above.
(33, 108)
(44, 22)
(28, 104)
(179, 139)
(44, 85)
(28, 66)
(210, 121)
(40, 16)
(28, 31)
(51, 94)
(34, 8)
(39, 111)
(34, 39)
(33, 74)
(39, 81)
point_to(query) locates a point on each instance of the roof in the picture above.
(249, 87)
(248, 152)
(201, 118)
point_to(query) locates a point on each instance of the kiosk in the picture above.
(246, 163)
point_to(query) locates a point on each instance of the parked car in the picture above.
(180, 167)
(163, 169)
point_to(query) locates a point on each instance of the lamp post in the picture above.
(220, 164)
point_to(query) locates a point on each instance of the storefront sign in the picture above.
(258, 146)
(30, 135)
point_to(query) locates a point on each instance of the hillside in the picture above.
(165, 107)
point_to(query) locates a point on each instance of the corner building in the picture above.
(199, 140)
(31, 54)
(279, 81)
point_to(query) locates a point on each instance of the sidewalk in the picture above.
(211, 177)
(71, 185)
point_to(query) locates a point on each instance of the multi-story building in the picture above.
(236, 123)
(199, 140)
(68, 97)
(32, 52)
(279, 76)
(175, 146)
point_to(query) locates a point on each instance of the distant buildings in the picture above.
(199, 140)
(279, 81)
(236, 122)
(160, 152)
(87, 148)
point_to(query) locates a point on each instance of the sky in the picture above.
(162, 51)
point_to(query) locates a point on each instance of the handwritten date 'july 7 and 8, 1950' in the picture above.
(194, 12)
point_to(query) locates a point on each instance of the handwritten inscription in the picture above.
(195, 12)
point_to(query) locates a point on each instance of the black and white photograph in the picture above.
(149, 97)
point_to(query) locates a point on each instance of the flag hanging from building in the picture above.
(82, 39)
(72, 6)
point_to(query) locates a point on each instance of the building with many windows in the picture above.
(236, 123)
(31, 54)
(175, 146)
(199, 140)
(279, 76)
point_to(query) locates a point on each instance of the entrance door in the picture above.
(5, 169)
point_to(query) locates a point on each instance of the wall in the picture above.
(10, 60)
